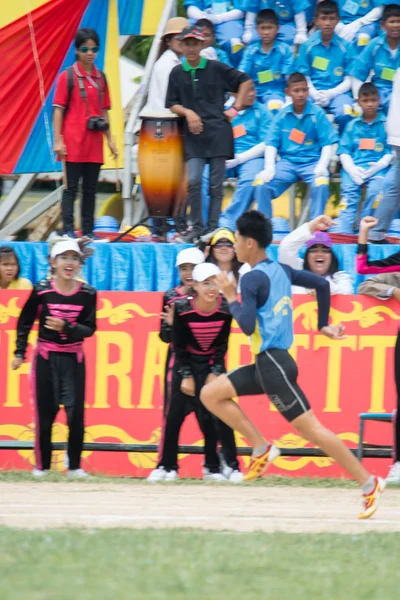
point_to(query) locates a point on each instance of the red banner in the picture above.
(125, 366)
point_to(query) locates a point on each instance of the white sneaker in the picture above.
(394, 473)
(235, 477)
(78, 474)
(156, 475)
(66, 460)
(39, 473)
(207, 476)
(171, 476)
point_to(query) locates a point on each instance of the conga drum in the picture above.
(161, 164)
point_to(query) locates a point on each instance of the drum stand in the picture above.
(164, 225)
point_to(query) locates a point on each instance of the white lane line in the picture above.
(213, 519)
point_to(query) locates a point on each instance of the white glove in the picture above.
(247, 36)
(268, 174)
(300, 38)
(357, 174)
(233, 162)
(324, 98)
(321, 170)
(216, 19)
(350, 30)
(339, 29)
(209, 53)
(373, 168)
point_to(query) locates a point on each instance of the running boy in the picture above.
(365, 156)
(268, 62)
(302, 136)
(380, 58)
(67, 315)
(200, 333)
(326, 60)
(249, 131)
(266, 315)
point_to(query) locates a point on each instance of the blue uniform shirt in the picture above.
(223, 56)
(350, 10)
(285, 9)
(216, 6)
(250, 127)
(365, 142)
(377, 57)
(301, 140)
(268, 69)
(326, 66)
(266, 309)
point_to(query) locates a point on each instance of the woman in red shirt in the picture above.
(80, 120)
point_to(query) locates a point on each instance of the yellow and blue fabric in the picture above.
(254, 121)
(139, 17)
(365, 143)
(285, 11)
(299, 158)
(227, 32)
(268, 71)
(327, 66)
(26, 146)
(377, 58)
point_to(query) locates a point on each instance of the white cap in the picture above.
(65, 246)
(204, 271)
(192, 256)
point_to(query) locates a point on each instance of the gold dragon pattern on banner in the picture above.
(366, 317)
(142, 460)
(121, 313)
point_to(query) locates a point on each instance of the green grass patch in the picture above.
(118, 564)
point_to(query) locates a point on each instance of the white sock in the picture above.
(369, 486)
(260, 449)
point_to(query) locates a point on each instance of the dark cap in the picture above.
(192, 32)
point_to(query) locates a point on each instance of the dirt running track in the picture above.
(219, 507)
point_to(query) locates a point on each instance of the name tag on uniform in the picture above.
(320, 63)
(388, 74)
(367, 144)
(297, 136)
(265, 76)
(219, 6)
(351, 7)
(239, 131)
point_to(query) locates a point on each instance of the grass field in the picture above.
(182, 564)
(114, 539)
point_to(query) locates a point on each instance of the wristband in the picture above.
(235, 110)
(362, 249)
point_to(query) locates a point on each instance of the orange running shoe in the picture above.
(371, 501)
(259, 464)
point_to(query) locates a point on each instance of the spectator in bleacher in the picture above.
(222, 253)
(196, 92)
(382, 287)
(365, 156)
(302, 136)
(10, 270)
(391, 264)
(268, 62)
(80, 121)
(390, 203)
(359, 21)
(169, 57)
(380, 58)
(210, 48)
(291, 18)
(326, 61)
(249, 131)
(227, 16)
(319, 257)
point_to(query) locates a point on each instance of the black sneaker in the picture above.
(92, 236)
(189, 237)
(71, 234)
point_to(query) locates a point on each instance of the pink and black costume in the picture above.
(58, 367)
(200, 343)
(391, 264)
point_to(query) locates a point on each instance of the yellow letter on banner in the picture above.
(154, 366)
(13, 377)
(334, 367)
(379, 343)
(301, 340)
(121, 369)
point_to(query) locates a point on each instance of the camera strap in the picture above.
(97, 84)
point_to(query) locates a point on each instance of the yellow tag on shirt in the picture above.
(320, 63)
(388, 74)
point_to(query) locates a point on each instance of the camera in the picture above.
(97, 124)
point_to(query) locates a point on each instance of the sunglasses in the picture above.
(86, 49)
(316, 250)
(223, 243)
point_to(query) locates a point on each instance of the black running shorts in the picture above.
(274, 374)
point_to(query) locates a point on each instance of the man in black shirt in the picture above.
(196, 92)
